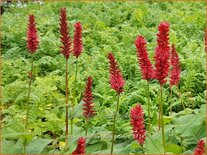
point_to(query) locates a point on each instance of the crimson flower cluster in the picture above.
(32, 38)
(200, 148)
(116, 80)
(77, 42)
(144, 62)
(80, 149)
(162, 53)
(88, 108)
(175, 63)
(66, 49)
(137, 122)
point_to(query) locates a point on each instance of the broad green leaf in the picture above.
(173, 148)
(153, 144)
(10, 147)
(36, 146)
(95, 147)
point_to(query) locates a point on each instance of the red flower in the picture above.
(80, 149)
(200, 148)
(162, 53)
(88, 97)
(116, 80)
(144, 62)
(175, 73)
(32, 38)
(65, 38)
(77, 42)
(137, 122)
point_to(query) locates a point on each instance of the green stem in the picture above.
(170, 101)
(28, 100)
(159, 119)
(172, 135)
(183, 105)
(162, 122)
(142, 149)
(29, 93)
(66, 102)
(25, 149)
(114, 122)
(76, 75)
(86, 126)
(149, 106)
(180, 97)
(75, 90)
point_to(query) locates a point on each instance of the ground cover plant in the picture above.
(104, 77)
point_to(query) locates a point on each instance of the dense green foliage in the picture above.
(109, 26)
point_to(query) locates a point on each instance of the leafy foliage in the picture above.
(109, 26)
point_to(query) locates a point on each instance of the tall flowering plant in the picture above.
(32, 37)
(77, 50)
(175, 72)
(32, 45)
(137, 123)
(116, 80)
(162, 64)
(117, 83)
(162, 53)
(88, 107)
(65, 50)
(145, 66)
(77, 42)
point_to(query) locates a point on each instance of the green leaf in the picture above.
(153, 144)
(122, 148)
(95, 147)
(36, 146)
(173, 148)
(10, 147)
(78, 109)
(167, 119)
(10, 134)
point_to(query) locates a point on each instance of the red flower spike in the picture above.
(32, 38)
(116, 80)
(80, 149)
(66, 49)
(77, 42)
(144, 62)
(175, 63)
(88, 97)
(137, 122)
(200, 148)
(162, 53)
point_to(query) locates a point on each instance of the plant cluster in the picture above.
(88, 111)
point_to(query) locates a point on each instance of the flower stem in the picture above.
(75, 90)
(142, 149)
(114, 122)
(170, 101)
(149, 106)
(159, 119)
(76, 77)
(25, 149)
(29, 93)
(66, 102)
(162, 121)
(86, 121)
(28, 100)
